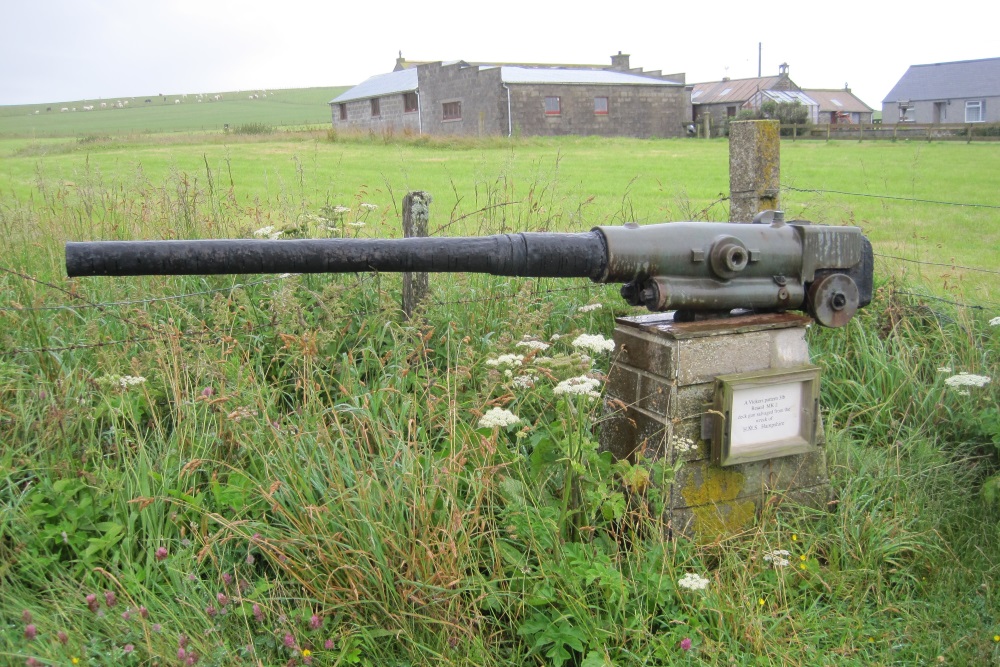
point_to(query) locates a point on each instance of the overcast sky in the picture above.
(63, 50)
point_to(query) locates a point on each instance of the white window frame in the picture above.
(979, 108)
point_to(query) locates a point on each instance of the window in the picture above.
(730, 112)
(376, 112)
(601, 106)
(974, 111)
(409, 102)
(551, 106)
(343, 111)
(451, 110)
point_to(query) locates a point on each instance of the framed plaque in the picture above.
(765, 414)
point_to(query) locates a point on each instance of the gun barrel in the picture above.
(530, 254)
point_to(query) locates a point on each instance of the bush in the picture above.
(254, 128)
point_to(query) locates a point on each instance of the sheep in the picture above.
(104, 105)
(177, 101)
(63, 110)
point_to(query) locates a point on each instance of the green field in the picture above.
(299, 107)
(234, 470)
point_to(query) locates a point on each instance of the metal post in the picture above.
(416, 213)
(754, 168)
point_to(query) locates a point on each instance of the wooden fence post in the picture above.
(754, 168)
(416, 213)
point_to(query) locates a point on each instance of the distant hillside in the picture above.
(170, 113)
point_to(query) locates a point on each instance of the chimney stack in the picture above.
(620, 61)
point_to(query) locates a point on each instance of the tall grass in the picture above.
(302, 476)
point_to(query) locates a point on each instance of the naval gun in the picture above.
(699, 269)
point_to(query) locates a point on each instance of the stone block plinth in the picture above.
(659, 407)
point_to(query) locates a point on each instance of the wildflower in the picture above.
(223, 599)
(995, 322)
(760, 602)
(497, 417)
(30, 631)
(31, 662)
(211, 611)
(289, 640)
(227, 578)
(192, 659)
(207, 392)
(306, 653)
(594, 343)
(92, 602)
(315, 622)
(533, 345)
(686, 644)
(583, 386)
(589, 308)
(777, 557)
(524, 381)
(357, 223)
(258, 614)
(182, 641)
(966, 380)
(62, 637)
(265, 231)
(795, 538)
(75, 660)
(181, 654)
(511, 360)
(127, 381)
(996, 638)
(126, 615)
(944, 369)
(802, 557)
(26, 616)
(109, 598)
(556, 336)
(369, 207)
(328, 644)
(157, 627)
(692, 581)
(341, 210)
(128, 648)
(682, 445)
(143, 612)
(802, 566)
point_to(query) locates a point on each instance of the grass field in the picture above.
(299, 107)
(239, 470)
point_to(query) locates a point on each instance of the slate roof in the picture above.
(579, 76)
(837, 100)
(942, 81)
(405, 80)
(734, 90)
(401, 81)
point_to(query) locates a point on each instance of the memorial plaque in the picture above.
(765, 414)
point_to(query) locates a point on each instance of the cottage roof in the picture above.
(789, 97)
(941, 81)
(561, 75)
(734, 90)
(837, 100)
(401, 81)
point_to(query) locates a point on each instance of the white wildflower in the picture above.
(589, 308)
(778, 557)
(533, 345)
(556, 337)
(264, 231)
(508, 373)
(693, 582)
(357, 223)
(682, 445)
(944, 369)
(511, 360)
(582, 386)
(340, 210)
(127, 381)
(594, 343)
(966, 380)
(995, 322)
(369, 207)
(524, 381)
(496, 417)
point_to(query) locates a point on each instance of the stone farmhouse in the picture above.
(498, 99)
(966, 91)
(725, 99)
(840, 107)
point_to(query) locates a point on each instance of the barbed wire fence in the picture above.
(79, 303)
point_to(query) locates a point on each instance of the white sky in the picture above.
(62, 50)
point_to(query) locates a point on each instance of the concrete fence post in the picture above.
(754, 168)
(416, 213)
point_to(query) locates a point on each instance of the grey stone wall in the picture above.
(478, 91)
(633, 111)
(391, 119)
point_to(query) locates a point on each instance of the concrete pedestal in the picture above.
(659, 393)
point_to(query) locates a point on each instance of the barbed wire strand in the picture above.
(891, 197)
(945, 264)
